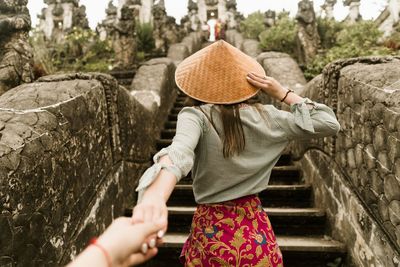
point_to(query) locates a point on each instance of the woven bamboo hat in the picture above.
(217, 74)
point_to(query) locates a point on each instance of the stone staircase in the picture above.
(300, 228)
(124, 77)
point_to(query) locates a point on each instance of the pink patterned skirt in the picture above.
(231, 233)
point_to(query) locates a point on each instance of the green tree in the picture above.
(355, 40)
(144, 34)
(253, 25)
(281, 37)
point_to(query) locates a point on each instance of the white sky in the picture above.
(95, 9)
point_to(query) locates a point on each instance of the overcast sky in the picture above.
(95, 9)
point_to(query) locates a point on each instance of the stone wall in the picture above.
(189, 45)
(283, 68)
(356, 175)
(250, 47)
(72, 148)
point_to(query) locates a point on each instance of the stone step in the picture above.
(179, 104)
(127, 81)
(175, 111)
(297, 251)
(172, 117)
(295, 196)
(285, 221)
(170, 125)
(123, 74)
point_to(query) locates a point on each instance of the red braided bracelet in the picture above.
(93, 242)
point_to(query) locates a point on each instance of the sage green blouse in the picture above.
(197, 147)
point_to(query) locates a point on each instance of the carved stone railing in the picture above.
(356, 174)
(72, 148)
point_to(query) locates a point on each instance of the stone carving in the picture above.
(308, 39)
(105, 28)
(171, 31)
(389, 19)
(124, 38)
(327, 7)
(270, 17)
(195, 23)
(16, 58)
(186, 25)
(230, 14)
(165, 30)
(354, 12)
(61, 16)
(159, 21)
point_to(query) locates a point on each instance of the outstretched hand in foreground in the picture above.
(122, 244)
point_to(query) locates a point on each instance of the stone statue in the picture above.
(231, 4)
(354, 13)
(308, 39)
(124, 39)
(79, 19)
(327, 7)
(159, 22)
(106, 27)
(186, 26)
(171, 31)
(270, 17)
(194, 18)
(16, 57)
(192, 5)
(230, 14)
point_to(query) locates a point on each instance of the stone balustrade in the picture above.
(72, 148)
(356, 175)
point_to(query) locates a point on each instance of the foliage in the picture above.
(253, 25)
(281, 37)
(82, 50)
(328, 30)
(144, 33)
(356, 40)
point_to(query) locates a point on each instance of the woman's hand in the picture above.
(268, 84)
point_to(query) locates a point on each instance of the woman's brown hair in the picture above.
(234, 141)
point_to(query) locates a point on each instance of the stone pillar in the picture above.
(145, 12)
(327, 7)
(61, 16)
(230, 14)
(195, 22)
(106, 27)
(270, 17)
(16, 58)
(394, 8)
(124, 37)
(159, 21)
(354, 10)
(308, 39)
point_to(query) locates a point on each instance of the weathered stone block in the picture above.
(391, 187)
(251, 47)
(394, 212)
(380, 138)
(178, 52)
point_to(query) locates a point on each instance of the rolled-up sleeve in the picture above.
(303, 122)
(181, 151)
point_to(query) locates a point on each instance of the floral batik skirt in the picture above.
(232, 233)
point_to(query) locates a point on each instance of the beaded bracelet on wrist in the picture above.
(289, 91)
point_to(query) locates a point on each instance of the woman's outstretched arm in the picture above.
(170, 165)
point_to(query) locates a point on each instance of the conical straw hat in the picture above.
(217, 74)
